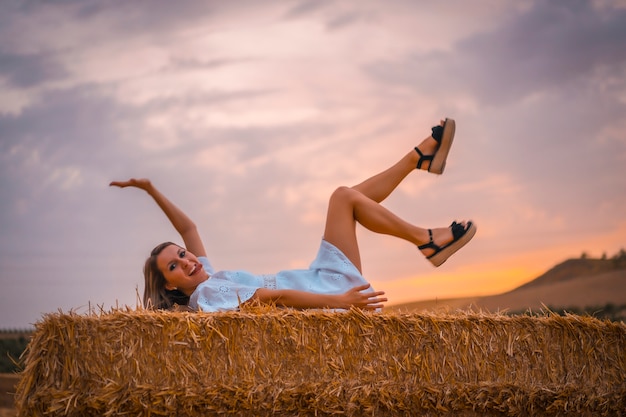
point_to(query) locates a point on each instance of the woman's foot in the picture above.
(433, 151)
(441, 236)
(445, 241)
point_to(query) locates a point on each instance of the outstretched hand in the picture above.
(356, 297)
(142, 183)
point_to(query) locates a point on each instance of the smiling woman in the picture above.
(184, 276)
(157, 287)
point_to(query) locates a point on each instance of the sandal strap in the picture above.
(423, 158)
(437, 133)
(431, 244)
(457, 230)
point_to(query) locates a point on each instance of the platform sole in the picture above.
(438, 164)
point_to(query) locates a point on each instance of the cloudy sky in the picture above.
(249, 116)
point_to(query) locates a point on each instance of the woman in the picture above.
(177, 275)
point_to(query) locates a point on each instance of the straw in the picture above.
(268, 361)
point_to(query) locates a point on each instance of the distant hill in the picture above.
(578, 285)
(574, 268)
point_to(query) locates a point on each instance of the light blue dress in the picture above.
(330, 273)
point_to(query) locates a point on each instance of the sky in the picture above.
(249, 114)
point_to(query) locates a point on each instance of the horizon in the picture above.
(583, 255)
(248, 118)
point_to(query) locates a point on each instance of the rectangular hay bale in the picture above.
(267, 361)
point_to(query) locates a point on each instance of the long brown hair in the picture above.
(155, 295)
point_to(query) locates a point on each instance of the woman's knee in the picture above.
(343, 193)
(345, 196)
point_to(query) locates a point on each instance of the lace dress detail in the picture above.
(330, 273)
(269, 282)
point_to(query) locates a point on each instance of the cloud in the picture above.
(531, 86)
(29, 70)
(52, 153)
(249, 117)
(550, 44)
(305, 7)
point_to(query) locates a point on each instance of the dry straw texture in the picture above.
(284, 362)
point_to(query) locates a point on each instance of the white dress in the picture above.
(330, 273)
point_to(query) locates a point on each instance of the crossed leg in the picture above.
(349, 205)
(381, 185)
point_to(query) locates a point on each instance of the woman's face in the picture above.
(181, 269)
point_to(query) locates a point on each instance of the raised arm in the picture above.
(355, 297)
(181, 222)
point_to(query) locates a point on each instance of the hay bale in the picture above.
(285, 362)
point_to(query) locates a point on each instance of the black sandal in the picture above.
(462, 235)
(444, 135)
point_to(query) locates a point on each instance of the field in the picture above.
(282, 362)
(7, 388)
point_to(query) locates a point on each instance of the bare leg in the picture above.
(381, 185)
(348, 206)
